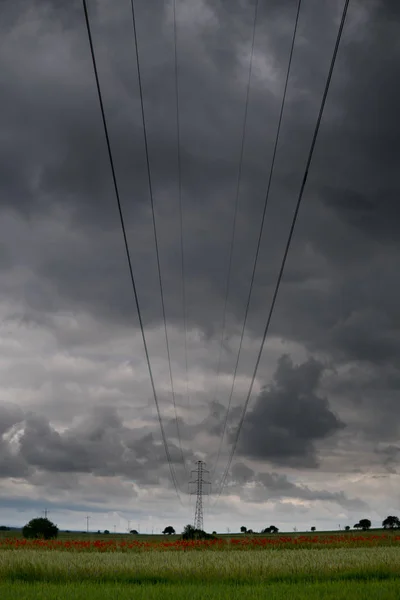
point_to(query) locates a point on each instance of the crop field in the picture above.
(303, 566)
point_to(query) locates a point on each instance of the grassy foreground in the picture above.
(380, 590)
(158, 571)
(255, 567)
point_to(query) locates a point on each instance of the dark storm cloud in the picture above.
(99, 444)
(289, 417)
(350, 211)
(63, 162)
(340, 294)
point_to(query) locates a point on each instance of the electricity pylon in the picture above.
(200, 491)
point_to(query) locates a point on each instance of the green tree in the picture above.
(169, 530)
(363, 524)
(312, 528)
(106, 531)
(347, 528)
(271, 529)
(243, 529)
(391, 522)
(40, 528)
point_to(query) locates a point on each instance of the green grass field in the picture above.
(328, 572)
(376, 590)
(240, 567)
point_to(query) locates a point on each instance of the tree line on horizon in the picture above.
(42, 527)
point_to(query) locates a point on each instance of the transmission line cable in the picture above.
(128, 255)
(288, 243)
(238, 181)
(178, 129)
(146, 146)
(260, 234)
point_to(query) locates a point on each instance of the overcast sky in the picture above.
(79, 429)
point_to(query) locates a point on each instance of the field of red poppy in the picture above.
(258, 542)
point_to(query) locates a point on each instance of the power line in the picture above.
(116, 189)
(260, 234)
(146, 146)
(239, 178)
(178, 130)
(289, 240)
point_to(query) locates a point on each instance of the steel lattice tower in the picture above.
(200, 491)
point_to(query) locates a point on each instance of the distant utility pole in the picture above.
(200, 491)
(87, 524)
(129, 525)
(45, 513)
(115, 527)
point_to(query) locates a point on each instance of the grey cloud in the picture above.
(289, 417)
(60, 231)
(100, 445)
(211, 424)
(389, 454)
(76, 132)
(350, 210)
(367, 335)
(76, 174)
(277, 486)
(241, 473)
(10, 414)
(12, 465)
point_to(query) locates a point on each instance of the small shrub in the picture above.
(190, 533)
